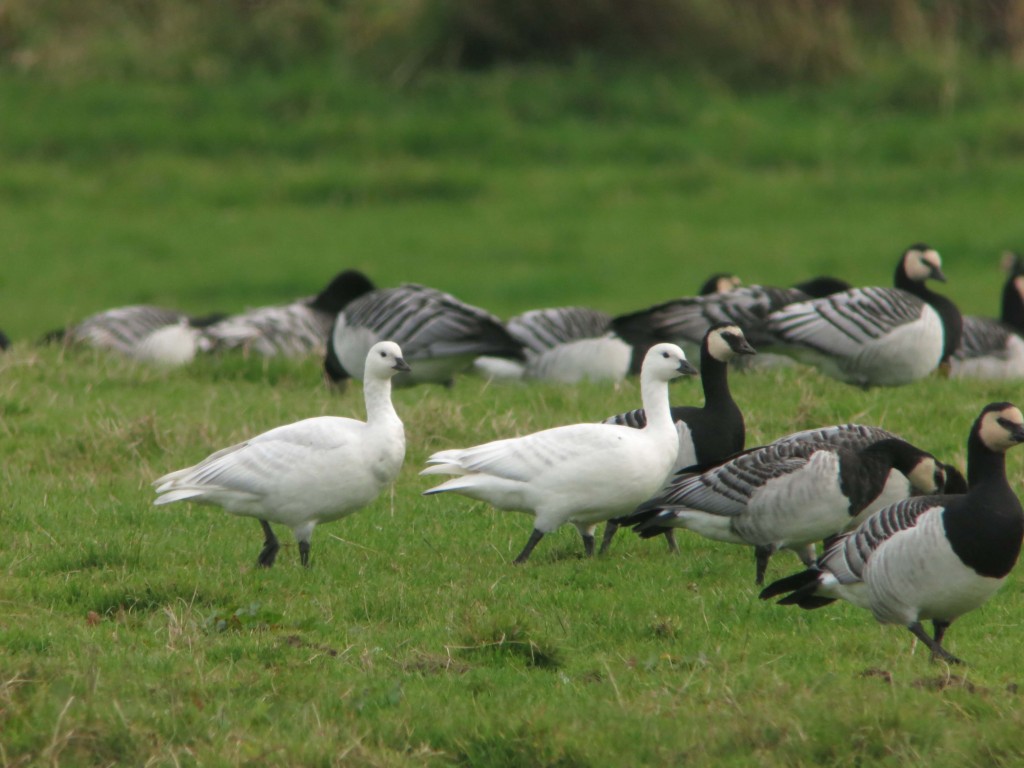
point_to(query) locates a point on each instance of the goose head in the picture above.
(346, 286)
(724, 341)
(1000, 426)
(720, 282)
(664, 362)
(384, 360)
(921, 262)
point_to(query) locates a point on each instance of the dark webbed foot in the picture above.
(270, 546)
(609, 533)
(530, 544)
(938, 652)
(304, 553)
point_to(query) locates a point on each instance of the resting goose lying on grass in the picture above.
(994, 349)
(583, 474)
(929, 557)
(310, 472)
(710, 433)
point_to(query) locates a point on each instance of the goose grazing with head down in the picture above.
(293, 330)
(930, 557)
(788, 494)
(875, 336)
(583, 474)
(994, 349)
(310, 472)
(707, 434)
(441, 335)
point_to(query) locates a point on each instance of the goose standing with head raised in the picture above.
(929, 557)
(583, 474)
(310, 472)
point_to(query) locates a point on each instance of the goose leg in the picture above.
(587, 534)
(938, 652)
(270, 546)
(525, 554)
(762, 553)
(940, 629)
(670, 539)
(609, 532)
(304, 553)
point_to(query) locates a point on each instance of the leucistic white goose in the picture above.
(128, 331)
(710, 433)
(930, 557)
(310, 472)
(291, 330)
(582, 473)
(994, 349)
(789, 494)
(875, 336)
(440, 335)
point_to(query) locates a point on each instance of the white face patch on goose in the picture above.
(727, 284)
(994, 435)
(923, 476)
(718, 347)
(1018, 285)
(919, 265)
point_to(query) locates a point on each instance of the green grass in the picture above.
(133, 635)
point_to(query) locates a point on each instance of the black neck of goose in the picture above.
(952, 321)
(1013, 306)
(714, 379)
(983, 464)
(863, 475)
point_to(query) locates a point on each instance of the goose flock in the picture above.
(902, 533)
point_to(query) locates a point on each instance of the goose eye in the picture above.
(383, 354)
(665, 355)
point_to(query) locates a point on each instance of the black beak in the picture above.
(938, 274)
(401, 365)
(743, 347)
(685, 368)
(1017, 433)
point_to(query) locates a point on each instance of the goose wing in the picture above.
(850, 436)
(848, 556)
(291, 329)
(123, 327)
(542, 329)
(982, 336)
(842, 323)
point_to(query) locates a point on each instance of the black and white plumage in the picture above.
(994, 349)
(136, 331)
(789, 494)
(930, 557)
(875, 336)
(708, 433)
(307, 473)
(685, 321)
(439, 334)
(583, 474)
(296, 329)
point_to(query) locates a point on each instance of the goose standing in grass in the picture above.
(296, 329)
(707, 434)
(441, 335)
(130, 331)
(875, 336)
(788, 494)
(994, 349)
(583, 474)
(930, 557)
(310, 472)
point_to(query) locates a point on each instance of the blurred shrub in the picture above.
(743, 42)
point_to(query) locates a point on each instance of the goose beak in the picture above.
(686, 369)
(401, 365)
(936, 273)
(1017, 433)
(744, 348)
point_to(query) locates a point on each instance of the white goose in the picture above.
(931, 557)
(440, 334)
(583, 474)
(875, 336)
(310, 472)
(788, 494)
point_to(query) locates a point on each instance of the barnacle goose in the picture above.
(129, 331)
(929, 557)
(789, 494)
(875, 336)
(292, 330)
(994, 349)
(310, 472)
(440, 334)
(710, 433)
(582, 473)
(685, 321)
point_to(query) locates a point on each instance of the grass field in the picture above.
(131, 635)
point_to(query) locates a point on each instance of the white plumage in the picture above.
(310, 472)
(932, 557)
(582, 473)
